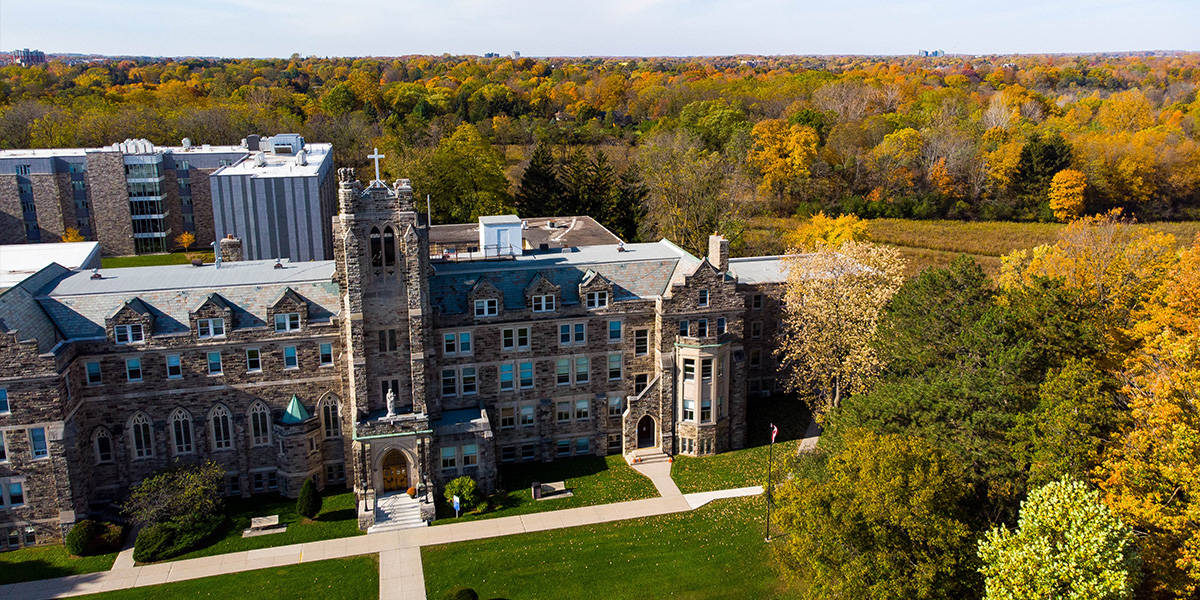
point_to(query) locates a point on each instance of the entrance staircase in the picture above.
(396, 511)
(646, 456)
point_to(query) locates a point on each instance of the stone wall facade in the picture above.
(404, 385)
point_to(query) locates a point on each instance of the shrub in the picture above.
(460, 592)
(464, 487)
(177, 493)
(153, 542)
(79, 540)
(309, 502)
(160, 541)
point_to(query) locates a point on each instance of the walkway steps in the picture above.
(395, 512)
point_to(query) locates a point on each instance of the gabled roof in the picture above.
(295, 412)
(136, 305)
(216, 300)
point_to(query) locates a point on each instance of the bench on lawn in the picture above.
(264, 522)
(263, 526)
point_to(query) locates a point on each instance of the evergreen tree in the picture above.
(539, 193)
(629, 204)
(598, 188)
(573, 174)
(309, 502)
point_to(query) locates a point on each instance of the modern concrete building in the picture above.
(396, 365)
(278, 200)
(134, 197)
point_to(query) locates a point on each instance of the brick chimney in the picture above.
(231, 249)
(718, 252)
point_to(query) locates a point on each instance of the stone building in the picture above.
(134, 197)
(399, 364)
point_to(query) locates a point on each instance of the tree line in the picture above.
(991, 137)
(1031, 437)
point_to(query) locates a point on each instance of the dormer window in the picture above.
(542, 303)
(596, 300)
(287, 322)
(128, 334)
(703, 300)
(488, 307)
(210, 328)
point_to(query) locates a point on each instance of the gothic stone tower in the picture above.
(381, 246)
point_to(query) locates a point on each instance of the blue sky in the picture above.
(241, 28)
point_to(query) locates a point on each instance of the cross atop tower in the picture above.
(376, 156)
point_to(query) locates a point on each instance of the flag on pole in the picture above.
(774, 432)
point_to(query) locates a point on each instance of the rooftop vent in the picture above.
(187, 143)
(301, 158)
(260, 159)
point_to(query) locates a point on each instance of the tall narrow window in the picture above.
(214, 363)
(326, 351)
(222, 430)
(37, 442)
(376, 248)
(562, 371)
(329, 419)
(181, 431)
(526, 374)
(174, 368)
(641, 342)
(102, 444)
(94, 376)
(141, 436)
(253, 360)
(4, 409)
(389, 247)
(290, 361)
(615, 370)
(581, 369)
(507, 382)
(260, 424)
(133, 370)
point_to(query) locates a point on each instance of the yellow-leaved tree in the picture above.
(1115, 264)
(1151, 476)
(185, 240)
(782, 153)
(71, 234)
(822, 230)
(1066, 194)
(832, 303)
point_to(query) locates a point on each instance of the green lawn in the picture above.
(716, 551)
(592, 479)
(153, 260)
(343, 578)
(47, 562)
(748, 466)
(338, 518)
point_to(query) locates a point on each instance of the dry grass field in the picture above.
(936, 243)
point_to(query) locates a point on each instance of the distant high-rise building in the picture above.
(26, 57)
(515, 55)
(134, 197)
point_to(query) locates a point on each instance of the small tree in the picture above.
(833, 301)
(79, 539)
(1067, 544)
(183, 493)
(1067, 194)
(465, 488)
(72, 235)
(309, 502)
(186, 239)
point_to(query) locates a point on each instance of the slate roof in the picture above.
(640, 271)
(79, 304)
(20, 311)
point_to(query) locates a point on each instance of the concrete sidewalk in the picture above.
(401, 575)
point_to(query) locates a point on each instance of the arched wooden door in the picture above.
(395, 472)
(645, 432)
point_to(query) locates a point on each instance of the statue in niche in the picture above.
(391, 402)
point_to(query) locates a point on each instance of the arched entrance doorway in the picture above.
(395, 472)
(645, 432)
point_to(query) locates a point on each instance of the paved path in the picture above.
(660, 474)
(401, 575)
(811, 436)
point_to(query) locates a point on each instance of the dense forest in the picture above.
(679, 147)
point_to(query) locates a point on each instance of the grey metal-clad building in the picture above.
(278, 202)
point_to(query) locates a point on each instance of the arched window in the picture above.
(376, 248)
(102, 445)
(329, 417)
(181, 431)
(389, 247)
(222, 429)
(260, 424)
(141, 436)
